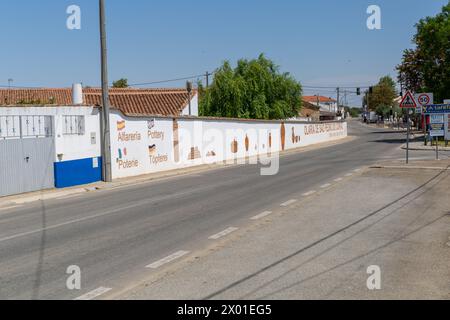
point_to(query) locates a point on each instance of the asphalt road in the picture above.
(113, 235)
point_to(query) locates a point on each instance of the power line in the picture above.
(171, 80)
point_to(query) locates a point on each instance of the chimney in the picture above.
(77, 94)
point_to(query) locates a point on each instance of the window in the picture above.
(73, 125)
(25, 127)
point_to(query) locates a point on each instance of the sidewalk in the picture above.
(419, 146)
(321, 246)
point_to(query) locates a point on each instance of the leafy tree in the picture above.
(383, 94)
(254, 89)
(427, 67)
(120, 84)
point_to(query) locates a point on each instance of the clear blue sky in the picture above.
(321, 42)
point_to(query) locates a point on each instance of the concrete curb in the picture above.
(411, 168)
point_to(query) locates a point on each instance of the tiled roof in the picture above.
(131, 102)
(322, 99)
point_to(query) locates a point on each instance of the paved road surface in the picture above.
(113, 235)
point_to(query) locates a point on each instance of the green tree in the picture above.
(121, 83)
(383, 94)
(427, 67)
(254, 89)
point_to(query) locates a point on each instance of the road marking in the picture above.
(94, 294)
(288, 203)
(262, 215)
(9, 208)
(166, 260)
(349, 174)
(223, 233)
(338, 180)
(357, 170)
(310, 193)
(326, 186)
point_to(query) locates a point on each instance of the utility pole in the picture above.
(207, 79)
(338, 96)
(189, 90)
(106, 129)
(9, 90)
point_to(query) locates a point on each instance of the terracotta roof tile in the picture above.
(132, 102)
(322, 99)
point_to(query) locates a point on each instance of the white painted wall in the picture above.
(146, 145)
(72, 147)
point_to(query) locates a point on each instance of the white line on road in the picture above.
(94, 294)
(349, 174)
(166, 260)
(357, 170)
(223, 233)
(338, 180)
(9, 208)
(310, 193)
(288, 203)
(261, 215)
(326, 186)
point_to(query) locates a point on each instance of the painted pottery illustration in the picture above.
(234, 146)
(194, 154)
(283, 137)
(247, 143)
(152, 150)
(176, 141)
(295, 138)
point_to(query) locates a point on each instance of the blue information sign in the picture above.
(436, 108)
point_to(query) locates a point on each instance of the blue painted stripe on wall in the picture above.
(77, 172)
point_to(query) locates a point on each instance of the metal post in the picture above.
(437, 148)
(207, 79)
(338, 92)
(407, 137)
(106, 137)
(189, 90)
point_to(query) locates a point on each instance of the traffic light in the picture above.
(358, 91)
(370, 90)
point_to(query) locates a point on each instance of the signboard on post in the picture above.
(437, 109)
(447, 132)
(408, 101)
(437, 126)
(422, 100)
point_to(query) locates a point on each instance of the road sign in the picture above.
(437, 108)
(408, 101)
(424, 99)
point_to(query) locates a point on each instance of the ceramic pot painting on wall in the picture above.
(269, 150)
(283, 137)
(295, 138)
(194, 154)
(152, 150)
(247, 143)
(176, 142)
(234, 146)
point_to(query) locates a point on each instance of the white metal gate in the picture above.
(27, 152)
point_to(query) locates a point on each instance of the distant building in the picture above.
(326, 104)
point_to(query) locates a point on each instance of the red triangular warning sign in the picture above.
(408, 101)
